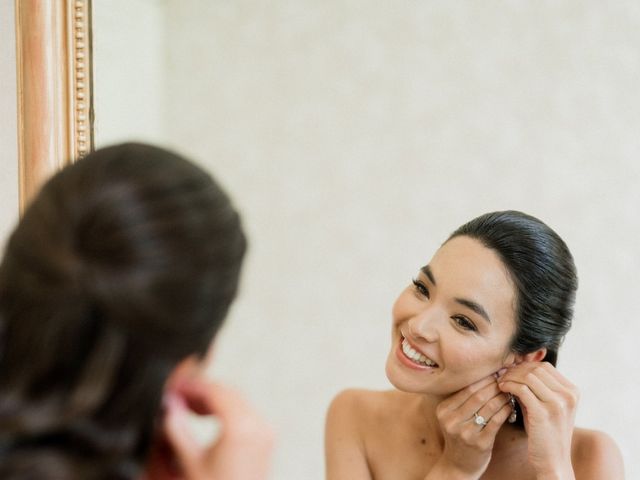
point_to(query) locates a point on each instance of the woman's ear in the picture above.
(188, 368)
(536, 356)
(161, 461)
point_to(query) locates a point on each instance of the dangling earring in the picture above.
(514, 414)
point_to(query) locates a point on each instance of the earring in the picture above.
(514, 414)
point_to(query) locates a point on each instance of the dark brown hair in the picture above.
(124, 264)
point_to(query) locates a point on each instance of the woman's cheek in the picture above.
(403, 308)
(470, 361)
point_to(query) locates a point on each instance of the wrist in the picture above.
(445, 471)
(559, 473)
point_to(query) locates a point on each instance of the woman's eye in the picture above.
(464, 322)
(421, 288)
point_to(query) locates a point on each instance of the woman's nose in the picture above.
(424, 326)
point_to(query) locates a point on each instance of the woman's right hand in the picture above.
(468, 445)
(243, 449)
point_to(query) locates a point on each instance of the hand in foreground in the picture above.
(470, 420)
(243, 448)
(548, 402)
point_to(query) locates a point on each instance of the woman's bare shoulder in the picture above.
(364, 411)
(350, 417)
(594, 454)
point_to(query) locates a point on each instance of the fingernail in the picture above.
(166, 400)
(173, 402)
(501, 372)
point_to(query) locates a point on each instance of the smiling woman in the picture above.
(474, 345)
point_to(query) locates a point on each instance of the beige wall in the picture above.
(8, 123)
(129, 71)
(355, 135)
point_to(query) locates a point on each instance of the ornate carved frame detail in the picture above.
(54, 80)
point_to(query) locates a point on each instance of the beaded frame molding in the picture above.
(54, 85)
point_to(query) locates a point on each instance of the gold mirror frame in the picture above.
(54, 84)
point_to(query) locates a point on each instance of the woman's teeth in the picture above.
(416, 356)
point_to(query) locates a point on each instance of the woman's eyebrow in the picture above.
(476, 307)
(429, 273)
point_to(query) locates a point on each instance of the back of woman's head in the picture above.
(542, 270)
(124, 264)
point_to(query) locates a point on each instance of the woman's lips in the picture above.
(414, 358)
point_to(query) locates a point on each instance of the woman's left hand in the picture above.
(548, 401)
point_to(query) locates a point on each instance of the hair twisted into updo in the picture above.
(124, 264)
(543, 273)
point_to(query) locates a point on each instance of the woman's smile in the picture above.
(416, 357)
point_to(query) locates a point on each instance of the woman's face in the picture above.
(454, 324)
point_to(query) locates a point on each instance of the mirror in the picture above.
(130, 99)
(356, 138)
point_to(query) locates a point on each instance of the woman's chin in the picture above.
(407, 381)
(432, 382)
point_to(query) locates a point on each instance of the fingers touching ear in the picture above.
(536, 356)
